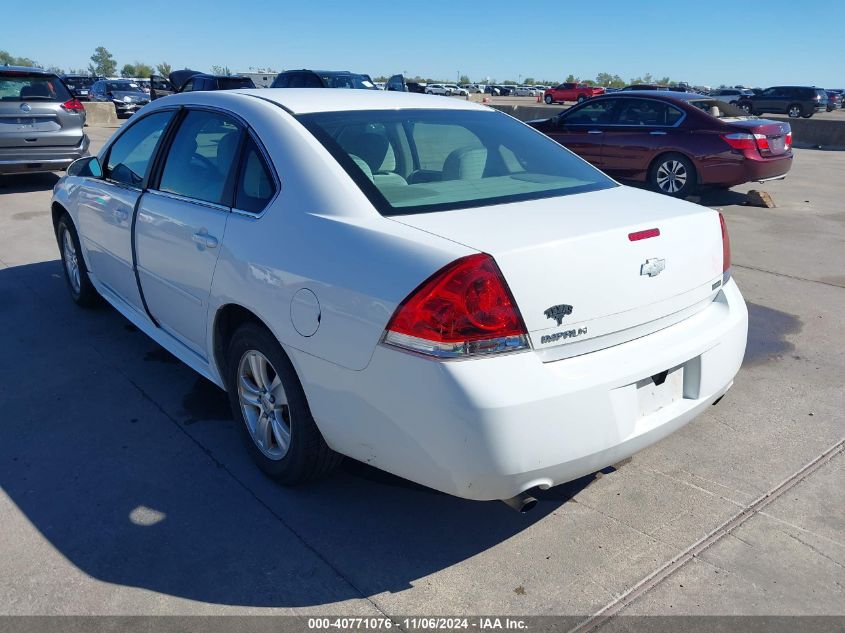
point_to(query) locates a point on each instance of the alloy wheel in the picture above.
(795, 112)
(672, 176)
(71, 262)
(264, 405)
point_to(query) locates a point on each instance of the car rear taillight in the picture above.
(762, 142)
(740, 140)
(465, 309)
(726, 250)
(788, 141)
(73, 105)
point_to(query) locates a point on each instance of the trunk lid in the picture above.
(774, 131)
(31, 113)
(578, 279)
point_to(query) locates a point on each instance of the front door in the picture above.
(105, 206)
(582, 129)
(181, 222)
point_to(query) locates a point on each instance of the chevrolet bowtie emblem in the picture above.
(653, 267)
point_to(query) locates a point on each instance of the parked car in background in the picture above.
(834, 100)
(126, 95)
(732, 95)
(455, 89)
(41, 122)
(232, 234)
(437, 89)
(323, 79)
(188, 80)
(525, 91)
(673, 141)
(571, 92)
(79, 85)
(641, 87)
(472, 88)
(795, 101)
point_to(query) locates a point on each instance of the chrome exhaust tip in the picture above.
(522, 502)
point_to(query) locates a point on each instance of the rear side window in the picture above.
(255, 184)
(201, 160)
(231, 83)
(32, 87)
(130, 155)
(646, 112)
(593, 112)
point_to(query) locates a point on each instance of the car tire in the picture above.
(672, 175)
(807, 116)
(582, 98)
(744, 105)
(795, 110)
(79, 284)
(271, 409)
(548, 99)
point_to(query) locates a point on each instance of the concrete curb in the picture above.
(100, 113)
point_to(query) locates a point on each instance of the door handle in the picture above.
(594, 132)
(657, 133)
(204, 240)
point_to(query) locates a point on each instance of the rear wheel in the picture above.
(806, 116)
(795, 110)
(81, 289)
(746, 107)
(267, 399)
(673, 175)
(582, 98)
(548, 99)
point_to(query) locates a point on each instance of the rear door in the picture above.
(181, 222)
(771, 100)
(105, 206)
(641, 129)
(32, 114)
(582, 129)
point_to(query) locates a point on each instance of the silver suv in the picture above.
(40, 122)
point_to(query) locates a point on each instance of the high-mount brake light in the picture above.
(465, 309)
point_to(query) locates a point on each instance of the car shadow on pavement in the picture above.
(131, 468)
(27, 183)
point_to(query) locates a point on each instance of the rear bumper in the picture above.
(492, 428)
(21, 160)
(751, 167)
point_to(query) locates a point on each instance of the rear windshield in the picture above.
(79, 82)
(231, 83)
(417, 161)
(719, 109)
(351, 80)
(122, 86)
(25, 87)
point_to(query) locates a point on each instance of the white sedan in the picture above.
(525, 91)
(428, 286)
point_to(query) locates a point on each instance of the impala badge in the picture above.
(653, 267)
(558, 312)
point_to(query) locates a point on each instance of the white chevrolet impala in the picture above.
(419, 283)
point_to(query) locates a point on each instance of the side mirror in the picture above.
(87, 167)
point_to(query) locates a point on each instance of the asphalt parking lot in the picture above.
(124, 488)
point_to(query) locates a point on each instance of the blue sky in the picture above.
(709, 43)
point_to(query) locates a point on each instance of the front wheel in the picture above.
(673, 175)
(267, 400)
(548, 99)
(795, 110)
(81, 289)
(746, 107)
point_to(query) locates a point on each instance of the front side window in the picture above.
(22, 86)
(450, 159)
(130, 156)
(593, 112)
(200, 162)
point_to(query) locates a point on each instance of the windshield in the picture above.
(718, 109)
(417, 161)
(79, 82)
(27, 87)
(122, 86)
(360, 82)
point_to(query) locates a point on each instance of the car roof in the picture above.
(667, 94)
(25, 69)
(309, 100)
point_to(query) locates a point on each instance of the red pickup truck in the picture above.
(571, 92)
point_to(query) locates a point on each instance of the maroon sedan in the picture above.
(673, 141)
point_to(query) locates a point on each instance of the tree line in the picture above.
(605, 80)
